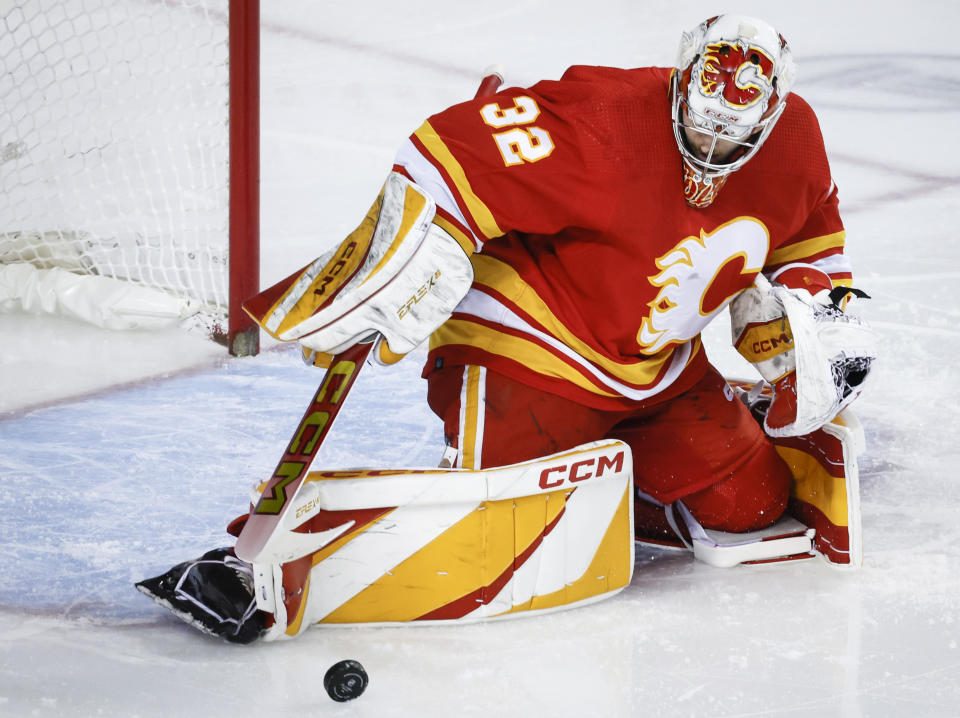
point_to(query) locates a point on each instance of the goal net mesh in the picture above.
(114, 141)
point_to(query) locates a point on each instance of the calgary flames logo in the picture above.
(741, 75)
(698, 278)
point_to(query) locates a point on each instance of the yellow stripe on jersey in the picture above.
(524, 351)
(466, 243)
(473, 404)
(498, 275)
(807, 248)
(481, 214)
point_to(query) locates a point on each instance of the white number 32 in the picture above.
(518, 144)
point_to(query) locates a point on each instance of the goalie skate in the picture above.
(674, 527)
(213, 593)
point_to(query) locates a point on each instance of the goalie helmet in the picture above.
(729, 87)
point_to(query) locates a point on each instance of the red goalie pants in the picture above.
(703, 446)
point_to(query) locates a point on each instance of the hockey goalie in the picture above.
(561, 247)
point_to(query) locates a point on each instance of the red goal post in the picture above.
(243, 338)
(129, 162)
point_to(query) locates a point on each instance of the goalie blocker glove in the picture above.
(396, 278)
(213, 593)
(816, 356)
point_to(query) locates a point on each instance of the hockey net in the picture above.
(115, 152)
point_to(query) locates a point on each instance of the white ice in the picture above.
(121, 454)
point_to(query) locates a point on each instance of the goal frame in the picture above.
(216, 212)
(243, 338)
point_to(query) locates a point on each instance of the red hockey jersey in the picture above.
(593, 277)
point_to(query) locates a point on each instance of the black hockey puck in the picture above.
(345, 680)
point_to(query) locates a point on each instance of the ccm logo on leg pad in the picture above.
(555, 476)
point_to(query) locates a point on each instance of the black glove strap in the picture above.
(838, 293)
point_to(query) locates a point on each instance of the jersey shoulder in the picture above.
(620, 116)
(607, 88)
(796, 146)
(600, 75)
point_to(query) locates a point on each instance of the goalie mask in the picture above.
(729, 88)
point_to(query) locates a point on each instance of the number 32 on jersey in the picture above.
(519, 144)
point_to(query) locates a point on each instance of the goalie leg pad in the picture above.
(826, 486)
(823, 509)
(825, 491)
(429, 546)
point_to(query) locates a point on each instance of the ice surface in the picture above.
(121, 454)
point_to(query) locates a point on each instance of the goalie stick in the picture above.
(310, 433)
(316, 422)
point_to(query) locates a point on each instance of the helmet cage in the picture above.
(748, 139)
(730, 83)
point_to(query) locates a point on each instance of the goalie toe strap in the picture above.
(837, 294)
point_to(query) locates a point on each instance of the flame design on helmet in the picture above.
(742, 75)
(730, 84)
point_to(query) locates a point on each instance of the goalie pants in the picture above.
(703, 446)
